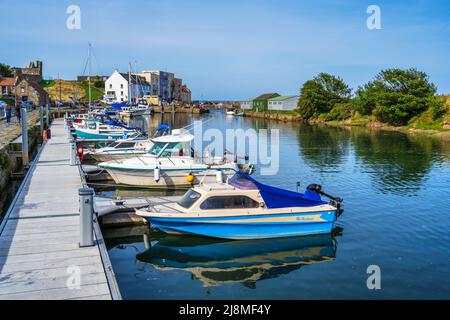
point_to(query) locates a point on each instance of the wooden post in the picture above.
(25, 159)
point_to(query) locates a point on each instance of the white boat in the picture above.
(243, 208)
(170, 163)
(235, 112)
(122, 149)
(127, 148)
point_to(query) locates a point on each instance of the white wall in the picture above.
(118, 85)
(283, 105)
(247, 105)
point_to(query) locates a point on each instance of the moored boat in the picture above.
(97, 130)
(170, 163)
(243, 208)
(127, 148)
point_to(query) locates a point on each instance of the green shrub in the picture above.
(342, 111)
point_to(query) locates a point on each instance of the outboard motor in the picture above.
(335, 201)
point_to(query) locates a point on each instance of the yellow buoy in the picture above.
(190, 178)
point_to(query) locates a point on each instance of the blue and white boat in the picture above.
(96, 130)
(243, 208)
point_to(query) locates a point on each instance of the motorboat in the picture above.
(96, 130)
(243, 208)
(170, 163)
(234, 112)
(127, 148)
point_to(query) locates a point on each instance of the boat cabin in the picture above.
(243, 194)
(177, 144)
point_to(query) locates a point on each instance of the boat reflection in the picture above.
(216, 262)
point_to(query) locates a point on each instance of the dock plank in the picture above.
(39, 242)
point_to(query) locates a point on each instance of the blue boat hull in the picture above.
(88, 135)
(250, 227)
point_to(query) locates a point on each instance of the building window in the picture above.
(110, 86)
(121, 86)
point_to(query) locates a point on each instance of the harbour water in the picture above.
(396, 191)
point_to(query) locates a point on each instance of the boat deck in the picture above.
(39, 253)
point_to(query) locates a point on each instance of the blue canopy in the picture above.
(118, 124)
(163, 127)
(276, 197)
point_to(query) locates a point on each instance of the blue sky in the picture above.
(232, 49)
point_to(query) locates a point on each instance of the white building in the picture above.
(283, 103)
(247, 104)
(118, 88)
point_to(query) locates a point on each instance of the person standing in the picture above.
(17, 111)
(8, 114)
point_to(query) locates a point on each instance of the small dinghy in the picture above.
(243, 208)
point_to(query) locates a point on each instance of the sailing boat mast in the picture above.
(89, 75)
(129, 83)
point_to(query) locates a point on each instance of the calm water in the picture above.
(396, 191)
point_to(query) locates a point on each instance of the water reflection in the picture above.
(397, 163)
(215, 262)
(324, 148)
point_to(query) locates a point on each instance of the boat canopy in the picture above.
(178, 135)
(276, 197)
(118, 124)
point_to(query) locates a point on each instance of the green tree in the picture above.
(5, 71)
(396, 95)
(320, 95)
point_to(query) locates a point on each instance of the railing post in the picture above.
(41, 120)
(25, 159)
(86, 217)
(47, 116)
(73, 153)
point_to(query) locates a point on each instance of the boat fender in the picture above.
(190, 178)
(157, 174)
(80, 152)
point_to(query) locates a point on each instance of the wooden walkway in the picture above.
(39, 252)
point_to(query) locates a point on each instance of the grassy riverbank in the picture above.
(423, 123)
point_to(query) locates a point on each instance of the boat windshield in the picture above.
(156, 148)
(172, 149)
(189, 199)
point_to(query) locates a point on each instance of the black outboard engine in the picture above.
(335, 201)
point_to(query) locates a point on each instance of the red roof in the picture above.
(7, 82)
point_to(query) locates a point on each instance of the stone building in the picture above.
(176, 89)
(6, 87)
(30, 91)
(185, 94)
(32, 73)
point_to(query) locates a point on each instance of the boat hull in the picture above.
(95, 136)
(249, 226)
(168, 178)
(103, 157)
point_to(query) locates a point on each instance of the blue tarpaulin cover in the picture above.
(280, 198)
(118, 124)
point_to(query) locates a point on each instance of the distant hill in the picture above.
(69, 88)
